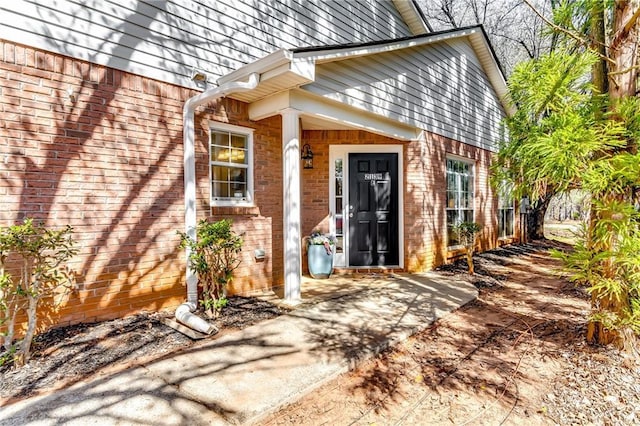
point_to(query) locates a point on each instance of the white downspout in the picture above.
(185, 310)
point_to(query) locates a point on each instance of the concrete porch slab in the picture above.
(242, 376)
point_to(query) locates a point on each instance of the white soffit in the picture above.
(411, 15)
(319, 113)
(278, 71)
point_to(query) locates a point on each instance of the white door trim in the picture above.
(342, 152)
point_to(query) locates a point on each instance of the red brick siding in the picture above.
(108, 161)
(425, 199)
(424, 186)
(261, 225)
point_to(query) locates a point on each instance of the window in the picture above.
(231, 166)
(459, 196)
(505, 211)
(339, 201)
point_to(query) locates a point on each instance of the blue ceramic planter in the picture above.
(320, 262)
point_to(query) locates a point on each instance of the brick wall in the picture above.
(101, 150)
(425, 200)
(108, 161)
(424, 191)
(262, 225)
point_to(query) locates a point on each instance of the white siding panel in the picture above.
(168, 39)
(436, 87)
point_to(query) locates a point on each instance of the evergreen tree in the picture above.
(578, 126)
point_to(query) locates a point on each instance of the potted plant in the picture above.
(320, 250)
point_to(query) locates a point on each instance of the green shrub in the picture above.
(467, 233)
(213, 256)
(40, 254)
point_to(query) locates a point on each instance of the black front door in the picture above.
(373, 209)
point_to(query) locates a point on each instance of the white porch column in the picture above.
(291, 203)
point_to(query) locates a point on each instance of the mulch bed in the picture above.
(65, 355)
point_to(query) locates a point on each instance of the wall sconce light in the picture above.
(307, 157)
(199, 76)
(71, 93)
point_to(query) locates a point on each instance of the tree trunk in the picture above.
(535, 218)
(623, 49)
(598, 44)
(622, 81)
(25, 346)
(470, 261)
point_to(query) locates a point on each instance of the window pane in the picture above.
(452, 219)
(505, 222)
(509, 223)
(230, 168)
(239, 141)
(451, 199)
(220, 189)
(238, 156)
(220, 154)
(238, 190)
(238, 175)
(220, 173)
(220, 138)
(459, 196)
(339, 224)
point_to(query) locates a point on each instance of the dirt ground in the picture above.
(66, 355)
(515, 356)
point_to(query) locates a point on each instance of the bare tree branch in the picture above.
(582, 41)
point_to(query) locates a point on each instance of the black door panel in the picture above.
(373, 209)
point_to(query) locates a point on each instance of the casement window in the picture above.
(505, 211)
(459, 196)
(231, 165)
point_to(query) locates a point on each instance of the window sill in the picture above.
(235, 211)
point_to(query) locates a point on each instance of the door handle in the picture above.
(350, 214)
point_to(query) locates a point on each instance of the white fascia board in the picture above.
(321, 56)
(411, 16)
(269, 62)
(484, 53)
(303, 67)
(320, 107)
(270, 106)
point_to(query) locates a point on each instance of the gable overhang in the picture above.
(475, 35)
(279, 71)
(413, 16)
(286, 70)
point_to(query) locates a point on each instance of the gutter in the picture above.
(184, 313)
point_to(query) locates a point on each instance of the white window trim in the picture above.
(511, 207)
(245, 131)
(513, 221)
(472, 163)
(342, 152)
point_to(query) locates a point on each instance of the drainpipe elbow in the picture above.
(184, 314)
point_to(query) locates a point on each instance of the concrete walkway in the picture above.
(243, 376)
